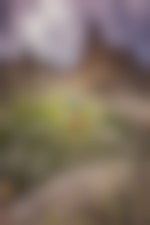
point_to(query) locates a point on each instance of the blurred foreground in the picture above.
(73, 153)
(75, 140)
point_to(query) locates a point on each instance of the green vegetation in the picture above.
(41, 135)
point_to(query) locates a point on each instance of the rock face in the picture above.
(56, 31)
(97, 193)
(90, 192)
